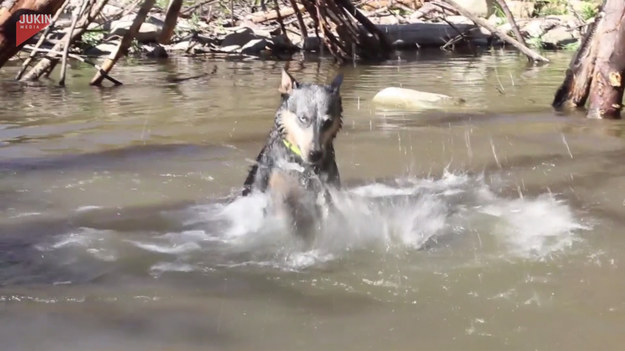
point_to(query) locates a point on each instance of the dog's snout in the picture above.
(314, 155)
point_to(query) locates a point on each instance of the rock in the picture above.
(155, 51)
(458, 20)
(412, 99)
(148, 32)
(312, 43)
(521, 9)
(569, 21)
(111, 11)
(181, 46)
(506, 28)
(230, 48)
(283, 43)
(254, 47)
(386, 20)
(240, 37)
(102, 49)
(559, 37)
(482, 8)
(539, 26)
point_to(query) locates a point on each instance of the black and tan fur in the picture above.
(308, 119)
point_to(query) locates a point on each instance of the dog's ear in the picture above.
(287, 84)
(336, 83)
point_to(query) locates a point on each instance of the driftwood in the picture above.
(263, 16)
(76, 57)
(531, 54)
(430, 34)
(124, 44)
(171, 17)
(346, 32)
(189, 10)
(300, 19)
(78, 12)
(512, 21)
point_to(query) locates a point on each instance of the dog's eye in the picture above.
(304, 119)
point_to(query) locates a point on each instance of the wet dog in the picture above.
(297, 164)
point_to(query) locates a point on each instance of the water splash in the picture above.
(407, 215)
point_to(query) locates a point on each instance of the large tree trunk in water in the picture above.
(606, 90)
(10, 16)
(597, 69)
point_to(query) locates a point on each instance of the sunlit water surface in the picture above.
(496, 225)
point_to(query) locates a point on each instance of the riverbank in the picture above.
(243, 30)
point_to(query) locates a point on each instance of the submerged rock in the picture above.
(155, 51)
(240, 37)
(413, 99)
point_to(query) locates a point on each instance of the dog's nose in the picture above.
(314, 156)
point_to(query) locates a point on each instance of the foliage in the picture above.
(589, 10)
(572, 46)
(162, 4)
(535, 42)
(553, 7)
(92, 38)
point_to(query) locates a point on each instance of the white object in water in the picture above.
(412, 99)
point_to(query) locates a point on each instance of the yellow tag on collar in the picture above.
(292, 147)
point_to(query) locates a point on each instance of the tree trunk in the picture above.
(597, 69)
(123, 46)
(171, 18)
(10, 16)
(606, 90)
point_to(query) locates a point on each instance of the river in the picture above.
(493, 226)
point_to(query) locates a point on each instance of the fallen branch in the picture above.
(77, 13)
(76, 57)
(188, 11)
(531, 54)
(279, 17)
(260, 17)
(300, 20)
(124, 44)
(512, 21)
(173, 9)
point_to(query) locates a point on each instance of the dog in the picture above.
(297, 165)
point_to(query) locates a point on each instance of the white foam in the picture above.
(379, 219)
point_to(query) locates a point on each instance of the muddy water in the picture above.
(495, 227)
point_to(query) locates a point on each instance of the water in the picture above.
(493, 227)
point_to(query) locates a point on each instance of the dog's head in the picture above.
(310, 116)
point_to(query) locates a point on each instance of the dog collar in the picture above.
(294, 149)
